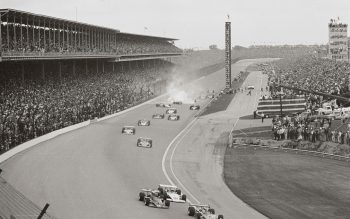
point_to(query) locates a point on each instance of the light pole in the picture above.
(280, 93)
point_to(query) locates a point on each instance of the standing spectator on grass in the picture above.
(339, 137)
(262, 117)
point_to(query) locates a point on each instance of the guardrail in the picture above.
(297, 151)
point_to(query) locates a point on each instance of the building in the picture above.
(338, 41)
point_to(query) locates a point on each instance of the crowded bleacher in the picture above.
(37, 107)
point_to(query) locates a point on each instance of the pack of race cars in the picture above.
(165, 194)
(172, 116)
(162, 196)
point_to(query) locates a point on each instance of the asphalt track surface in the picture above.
(96, 172)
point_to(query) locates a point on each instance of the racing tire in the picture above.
(167, 203)
(147, 201)
(221, 216)
(183, 197)
(142, 196)
(191, 211)
(178, 191)
(212, 210)
(199, 215)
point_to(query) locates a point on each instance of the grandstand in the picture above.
(28, 36)
(55, 73)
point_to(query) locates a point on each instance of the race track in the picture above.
(96, 172)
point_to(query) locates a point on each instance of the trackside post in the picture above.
(43, 211)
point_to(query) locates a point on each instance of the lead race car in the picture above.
(201, 211)
(144, 122)
(195, 107)
(144, 142)
(154, 198)
(173, 193)
(129, 130)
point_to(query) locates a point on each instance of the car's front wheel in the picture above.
(142, 196)
(147, 201)
(191, 211)
(167, 203)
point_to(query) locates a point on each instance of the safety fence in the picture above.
(293, 150)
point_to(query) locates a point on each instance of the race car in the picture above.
(144, 122)
(251, 87)
(154, 198)
(195, 107)
(173, 117)
(171, 111)
(210, 96)
(129, 130)
(177, 102)
(173, 193)
(163, 105)
(203, 212)
(144, 142)
(158, 116)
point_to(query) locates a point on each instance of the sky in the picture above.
(200, 23)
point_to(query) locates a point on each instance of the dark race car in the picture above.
(144, 142)
(173, 117)
(129, 130)
(203, 212)
(144, 122)
(177, 102)
(195, 107)
(154, 198)
(158, 116)
(171, 111)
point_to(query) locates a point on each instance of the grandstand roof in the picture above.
(12, 13)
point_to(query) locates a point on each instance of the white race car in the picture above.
(203, 212)
(129, 130)
(144, 122)
(158, 116)
(173, 193)
(144, 142)
(173, 117)
(195, 107)
(171, 111)
(166, 105)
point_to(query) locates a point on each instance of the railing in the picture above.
(293, 150)
(47, 54)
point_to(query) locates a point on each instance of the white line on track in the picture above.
(187, 128)
(171, 164)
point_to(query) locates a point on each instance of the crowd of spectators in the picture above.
(310, 128)
(314, 74)
(36, 107)
(310, 73)
(18, 40)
